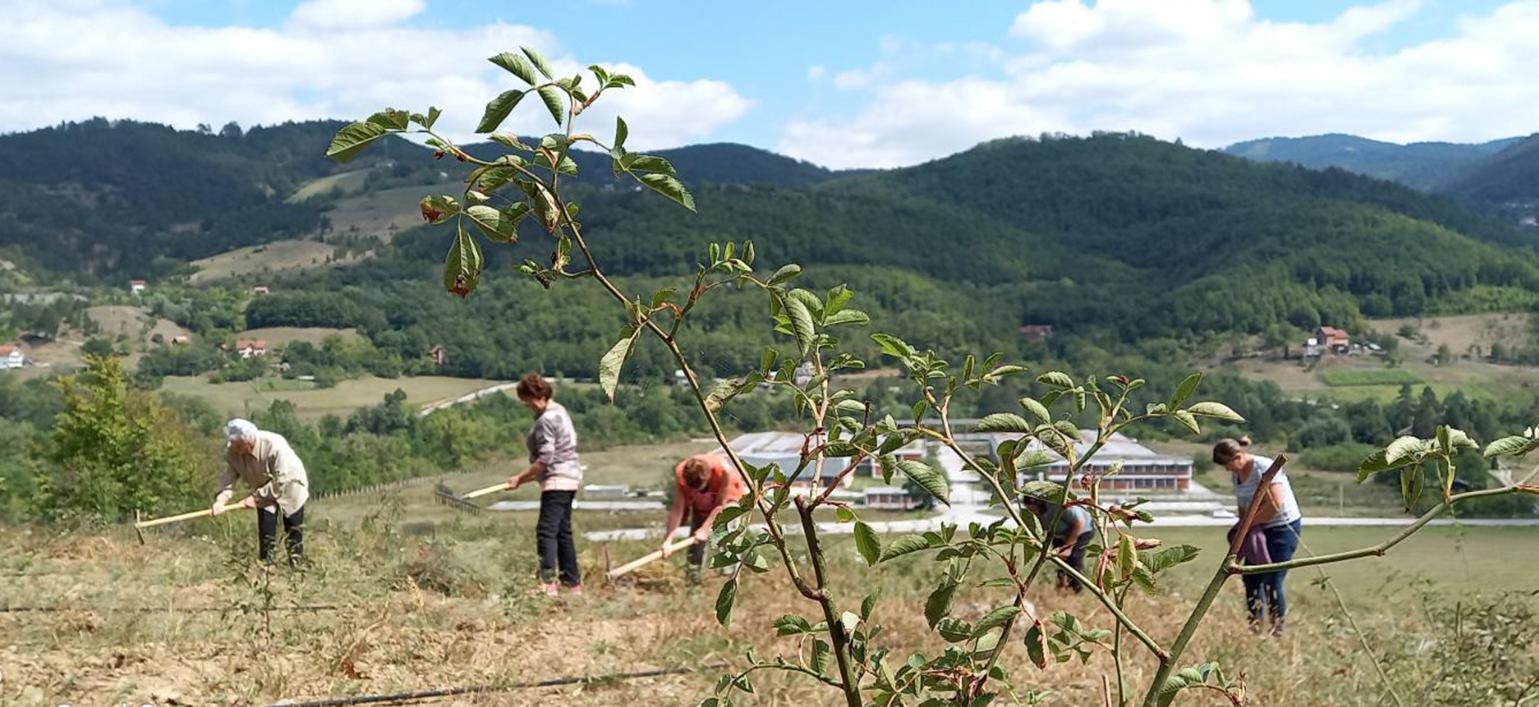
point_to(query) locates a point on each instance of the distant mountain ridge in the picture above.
(1427, 166)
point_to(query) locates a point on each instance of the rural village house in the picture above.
(251, 347)
(11, 356)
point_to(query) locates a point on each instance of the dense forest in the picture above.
(1427, 166)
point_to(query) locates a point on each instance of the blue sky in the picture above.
(844, 82)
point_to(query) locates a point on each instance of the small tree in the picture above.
(839, 646)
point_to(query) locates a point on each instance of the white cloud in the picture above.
(1208, 71)
(355, 13)
(815, 72)
(72, 59)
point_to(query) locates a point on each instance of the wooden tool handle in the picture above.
(184, 516)
(656, 554)
(490, 489)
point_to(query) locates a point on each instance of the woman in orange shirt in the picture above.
(704, 484)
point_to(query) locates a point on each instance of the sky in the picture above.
(842, 83)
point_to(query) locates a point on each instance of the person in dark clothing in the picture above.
(1069, 538)
(553, 462)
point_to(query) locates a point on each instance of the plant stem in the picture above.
(841, 640)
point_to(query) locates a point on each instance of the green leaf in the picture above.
(621, 132)
(610, 364)
(538, 61)
(650, 163)
(497, 110)
(1402, 448)
(821, 655)
(1515, 446)
(351, 140)
(553, 102)
(1376, 463)
(1169, 556)
(1003, 422)
(866, 541)
(801, 324)
(791, 624)
(1037, 409)
(1127, 557)
(516, 65)
(1185, 390)
(1215, 410)
(1036, 648)
(438, 208)
(868, 605)
(498, 226)
(995, 619)
(953, 630)
(847, 316)
(669, 187)
(932, 480)
(392, 119)
(903, 546)
(1187, 420)
(893, 346)
(462, 268)
(1056, 378)
(724, 602)
(938, 604)
(786, 272)
(432, 117)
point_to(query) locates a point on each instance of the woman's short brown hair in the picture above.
(1227, 449)
(533, 387)
(696, 472)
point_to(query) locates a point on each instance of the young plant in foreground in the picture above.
(840, 643)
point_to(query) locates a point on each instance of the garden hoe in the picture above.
(140, 525)
(636, 564)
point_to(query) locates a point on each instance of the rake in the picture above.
(448, 496)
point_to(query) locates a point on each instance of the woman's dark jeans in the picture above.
(554, 532)
(1266, 589)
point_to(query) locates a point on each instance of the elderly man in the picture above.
(265, 462)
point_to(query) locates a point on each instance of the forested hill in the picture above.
(120, 199)
(1509, 177)
(1424, 165)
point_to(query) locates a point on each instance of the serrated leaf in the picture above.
(497, 226)
(847, 316)
(1514, 446)
(539, 61)
(791, 624)
(351, 140)
(1187, 420)
(1170, 556)
(953, 630)
(1185, 390)
(462, 267)
(622, 131)
(801, 324)
(1056, 378)
(1215, 410)
(552, 97)
(613, 361)
(932, 480)
(1036, 649)
(903, 546)
(724, 601)
(1037, 409)
(1411, 482)
(516, 65)
(669, 187)
(1376, 463)
(868, 605)
(938, 604)
(867, 543)
(821, 656)
(995, 619)
(786, 272)
(1402, 448)
(498, 109)
(1003, 422)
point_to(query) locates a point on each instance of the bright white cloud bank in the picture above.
(71, 59)
(1207, 71)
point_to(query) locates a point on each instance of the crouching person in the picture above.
(265, 462)
(704, 484)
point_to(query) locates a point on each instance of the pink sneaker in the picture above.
(546, 589)
(576, 590)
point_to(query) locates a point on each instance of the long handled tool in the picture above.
(448, 496)
(633, 565)
(141, 525)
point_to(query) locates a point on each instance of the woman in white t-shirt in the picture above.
(1278, 517)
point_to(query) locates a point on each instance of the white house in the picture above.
(11, 356)
(784, 449)
(251, 347)
(889, 498)
(137, 286)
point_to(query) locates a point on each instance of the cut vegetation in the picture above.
(1371, 376)
(313, 403)
(278, 256)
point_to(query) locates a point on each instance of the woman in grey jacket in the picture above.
(553, 462)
